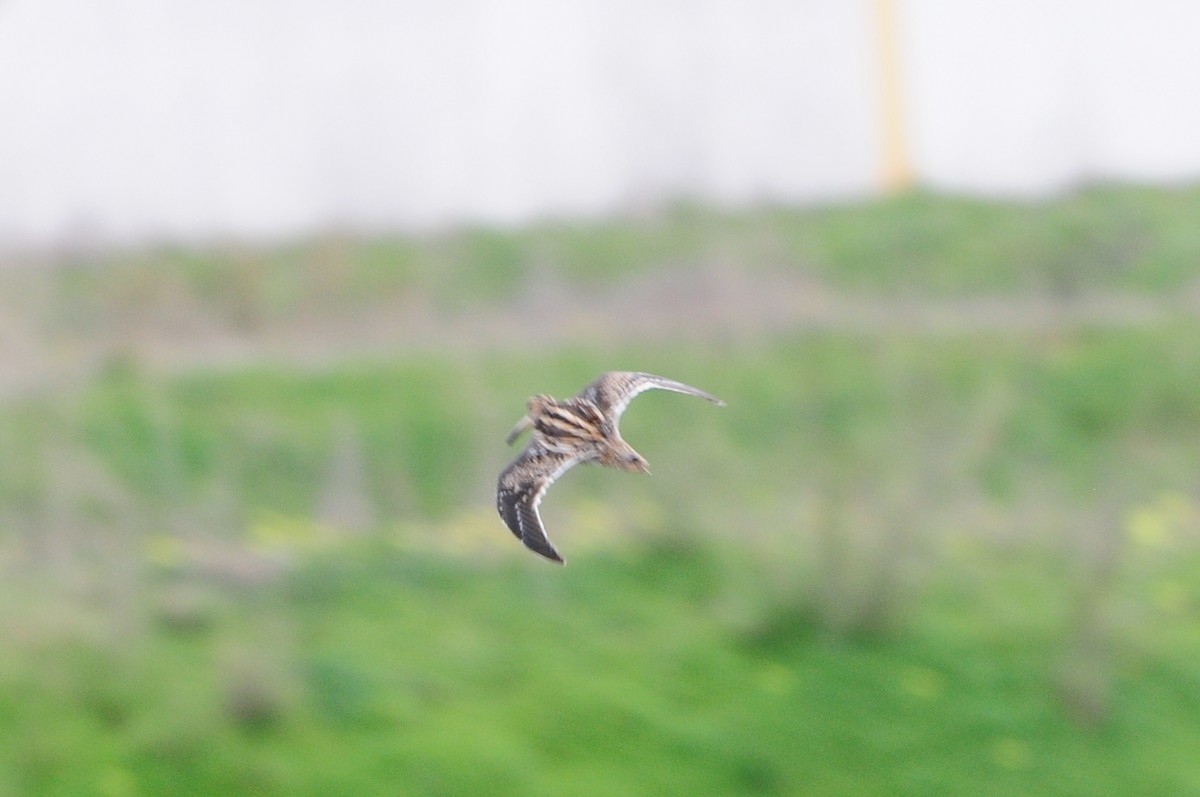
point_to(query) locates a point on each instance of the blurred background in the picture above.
(276, 280)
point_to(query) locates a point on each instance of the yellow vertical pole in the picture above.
(897, 162)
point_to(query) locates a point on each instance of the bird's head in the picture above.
(632, 460)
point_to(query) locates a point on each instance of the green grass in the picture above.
(918, 245)
(898, 562)
(386, 672)
(720, 649)
(1102, 239)
(1004, 407)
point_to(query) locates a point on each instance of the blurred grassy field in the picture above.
(913, 556)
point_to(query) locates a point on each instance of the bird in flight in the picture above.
(565, 433)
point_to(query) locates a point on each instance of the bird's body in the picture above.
(565, 433)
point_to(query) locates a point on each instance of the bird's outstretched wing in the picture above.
(520, 489)
(613, 391)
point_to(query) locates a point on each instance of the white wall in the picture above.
(148, 119)
(1015, 96)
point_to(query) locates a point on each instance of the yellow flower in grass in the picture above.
(1148, 527)
(117, 782)
(922, 683)
(163, 550)
(1011, 753)
(1157, 524)
(274, 532)
(776, 679)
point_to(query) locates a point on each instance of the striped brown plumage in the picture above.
(565, 433)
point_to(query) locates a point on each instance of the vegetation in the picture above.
(907, 558)
(1110, 239)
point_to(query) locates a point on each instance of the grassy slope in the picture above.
(379, 673)
(905, 565)
(1110, 239)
